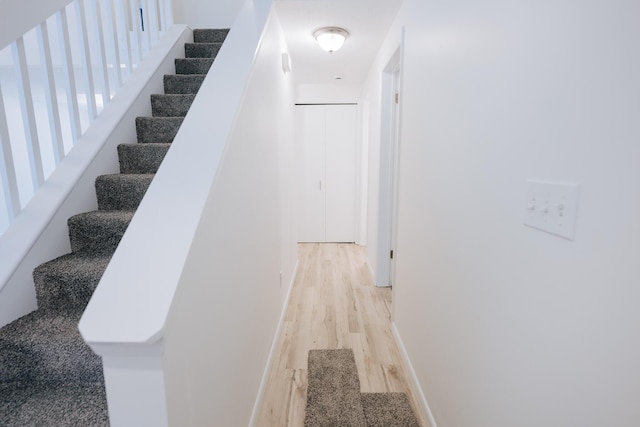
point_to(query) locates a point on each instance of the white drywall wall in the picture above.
(206, 14)
(506, 325)
(328, 93)
(228, 305)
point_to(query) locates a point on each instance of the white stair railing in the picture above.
(56, 78)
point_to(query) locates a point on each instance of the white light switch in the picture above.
(552, 207)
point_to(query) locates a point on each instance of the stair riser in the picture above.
(157, 129)
(141, 158)
(58, 297)
(121, 192)
(182, 84)
(201, 50)
(171, 105)
(63, 287)
(193, 65)
(93, 230)
(209, 36)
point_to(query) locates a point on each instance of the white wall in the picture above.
(307, 93)
(506, 325)
(206, 14)
(226, 311)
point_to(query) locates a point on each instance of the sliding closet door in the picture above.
(327, 137)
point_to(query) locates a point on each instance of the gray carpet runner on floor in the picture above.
(48, 375)
(334, 398)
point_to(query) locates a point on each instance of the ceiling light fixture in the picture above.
(331, 38)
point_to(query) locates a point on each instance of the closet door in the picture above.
(327, 138)
(311, 137)
(340, 167)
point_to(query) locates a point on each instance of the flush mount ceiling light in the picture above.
(331, 38)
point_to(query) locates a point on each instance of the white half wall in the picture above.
(232, 290)
(506, 325)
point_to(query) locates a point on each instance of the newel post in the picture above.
(134, 379)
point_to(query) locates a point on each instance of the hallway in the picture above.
(333, 305)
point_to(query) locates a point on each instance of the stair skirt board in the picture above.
(48, 375)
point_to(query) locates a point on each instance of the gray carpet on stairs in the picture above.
(48, 375)
(334, 398)
(333, 391)
(388, 410)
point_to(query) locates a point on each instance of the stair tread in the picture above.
(205, 43)
(121, 216)
(45, 346)
(129, 177)
(145, 146)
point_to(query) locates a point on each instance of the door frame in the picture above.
(388, 172)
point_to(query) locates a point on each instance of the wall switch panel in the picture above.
(552, 207)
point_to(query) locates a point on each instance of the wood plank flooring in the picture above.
(333, 304)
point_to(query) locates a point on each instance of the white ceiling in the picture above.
(366, 20)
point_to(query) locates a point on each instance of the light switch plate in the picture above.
(552, 207)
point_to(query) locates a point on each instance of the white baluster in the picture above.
(136, 27)
(147, 26)
(102, 57)
(28, 114)
(50, 92)
(120, 16)
(162, 16)
(86, 61)
(67, 64)
(115, 44)
(152, 7)
(168, 14)
(7, 168)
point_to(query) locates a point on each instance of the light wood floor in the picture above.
(333, 304)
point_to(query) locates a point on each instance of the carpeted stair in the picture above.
(334, 398)
(48, 375)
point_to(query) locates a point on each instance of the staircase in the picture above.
(334, 397)
(48, 375)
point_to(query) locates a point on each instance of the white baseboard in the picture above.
(414, 384)
(274, 345)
